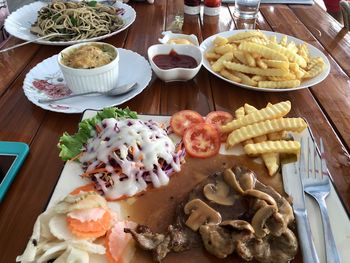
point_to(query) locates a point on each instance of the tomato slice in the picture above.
(184, 119)
(202, 140)
(217, 119)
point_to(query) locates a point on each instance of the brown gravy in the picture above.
(156, 208)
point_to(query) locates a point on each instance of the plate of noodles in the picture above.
(76, 21)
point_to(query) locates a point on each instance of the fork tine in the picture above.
(302, 157)
(310, 167)
(324, 169)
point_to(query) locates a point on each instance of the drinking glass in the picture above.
(247, 9)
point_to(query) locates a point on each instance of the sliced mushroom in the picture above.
(276, 224)
(240, 183)
(200, 214)
(260, 218)
(257, 204)
(219, 193)
(261, 195)
(238, 225)
(231, 180)
(247, 180)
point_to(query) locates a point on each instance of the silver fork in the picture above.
(316, 183)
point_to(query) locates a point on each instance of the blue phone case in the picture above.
(18, 149)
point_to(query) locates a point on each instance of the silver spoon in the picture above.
(113, 92)
(32, 41)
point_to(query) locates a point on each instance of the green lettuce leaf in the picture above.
(71, 145)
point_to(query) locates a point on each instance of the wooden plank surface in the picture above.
(13, 62)
(332, 35)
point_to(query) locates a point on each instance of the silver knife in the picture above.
(291, 173)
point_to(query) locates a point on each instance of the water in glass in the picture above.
(247, 9)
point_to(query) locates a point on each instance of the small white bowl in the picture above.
(175, 74)
(99, 79)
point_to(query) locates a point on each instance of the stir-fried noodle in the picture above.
(78, 20)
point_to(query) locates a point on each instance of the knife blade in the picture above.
(291, 174)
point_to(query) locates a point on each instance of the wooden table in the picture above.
(326, 106)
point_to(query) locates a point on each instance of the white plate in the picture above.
(132, 68)
(69, 180)
(19, 23)
(314, 52)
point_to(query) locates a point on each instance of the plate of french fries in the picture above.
(264, 60)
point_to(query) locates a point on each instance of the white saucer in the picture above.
(133, 68)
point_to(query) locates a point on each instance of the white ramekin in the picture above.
(176, 74)
(100, 79)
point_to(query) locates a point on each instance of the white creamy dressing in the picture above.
(149, 142)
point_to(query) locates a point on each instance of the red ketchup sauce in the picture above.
(174, 60)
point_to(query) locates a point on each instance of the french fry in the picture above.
(289, 54)
(276, 63)
(244, 35)
(283, 41)
(279, 84)
(249, 141)
(258, 78)
(225, 73)
(250, 60)
(218, 65)
(261, 63)
(224, 49)
(299, 73)
(211, 56)
(288, 147)
(255, 55)
(245, 79)
(264, 51)
(272, 39)
(265, 127)
(292, 47)
(239, 113)
(239, 55)
(289, 76)
(275, 111)
(272, 162)
(313, 62)
(303, 51)
(315, 70)
(258, 40)
(277, 136)
(255, 70)
(293, 66)
(249, 108)
(220, 41)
